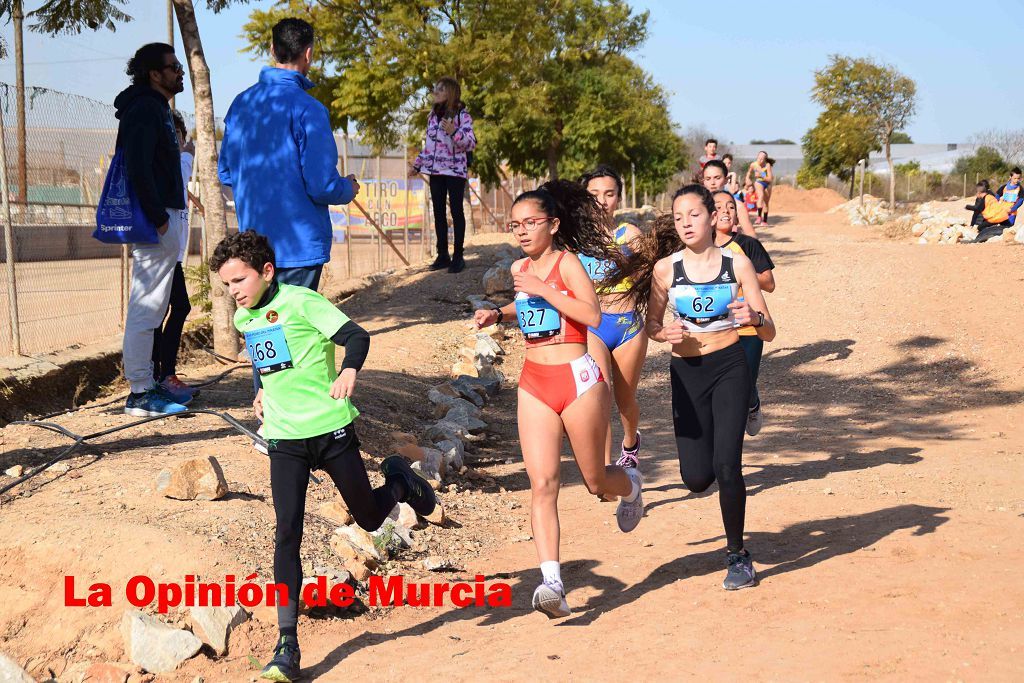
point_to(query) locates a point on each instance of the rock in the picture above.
(446, 389)
(392, 536)
(361, 539)
(479, 361)
(10, 672)
(104, 672)
(460, 416)
(443, 430)
(491, 385)
(155, 646)
(15, 471)
(492, 373)
(351, 555)
(454, 453)
(336, 511)
(58, 468)
(443, 403)
(360, 572)
(1020, 235)
(432, 466)
(495, 332)
(216, 623)
(411, 452)
(476, 395)
(498, 280)
(408, 518)
(464, 368)
(400, 438)
(1009, 234)
(483, 341)
(193, 479)
(437, 517)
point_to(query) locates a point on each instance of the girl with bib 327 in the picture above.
(561, 389)
(677, 268)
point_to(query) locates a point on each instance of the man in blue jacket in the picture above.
(280, 158)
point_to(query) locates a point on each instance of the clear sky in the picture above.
(744, 71)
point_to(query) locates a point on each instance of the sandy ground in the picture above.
(884, 511)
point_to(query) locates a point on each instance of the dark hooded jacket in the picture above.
(146, 135)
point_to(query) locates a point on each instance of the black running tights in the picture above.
(336, 453)
(710, 402)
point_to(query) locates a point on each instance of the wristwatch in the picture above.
(760, 319)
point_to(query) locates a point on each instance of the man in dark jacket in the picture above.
(149, 143)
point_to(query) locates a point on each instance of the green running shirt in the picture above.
(289, 342)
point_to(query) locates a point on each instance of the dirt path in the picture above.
(884, 513)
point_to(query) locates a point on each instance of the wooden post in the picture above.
(424, 222)
(379, 212)
(965, 185)
(380, 231)
(863, 172)
(632, 182)
(467, 198)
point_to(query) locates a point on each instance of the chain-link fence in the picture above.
(61, 288)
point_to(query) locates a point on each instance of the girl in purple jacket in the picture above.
(444, 158)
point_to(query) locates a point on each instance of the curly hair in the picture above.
(581, 220)
(149, 57)
(249, 247)
(662, 240)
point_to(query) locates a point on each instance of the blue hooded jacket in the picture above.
(280, 157)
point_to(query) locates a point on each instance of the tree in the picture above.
(1008, 143)
(901, 138)
(878, 92)
(524, 68)
(984, 163)
(776, 141)
(836, 144)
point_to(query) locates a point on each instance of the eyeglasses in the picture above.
(177, 66)
(530, 224)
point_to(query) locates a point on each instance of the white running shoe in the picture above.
(549, 598)
(754, 421)
(628, 515)
(260, 445)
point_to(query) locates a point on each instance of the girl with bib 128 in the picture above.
(677, 268)
(561, 389)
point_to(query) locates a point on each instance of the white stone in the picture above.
(214, 625)
(10, 672)
(155, 646)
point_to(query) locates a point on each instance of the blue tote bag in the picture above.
(119, 216)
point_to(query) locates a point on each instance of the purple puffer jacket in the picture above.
(445, 154)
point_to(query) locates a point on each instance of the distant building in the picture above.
(789, 158)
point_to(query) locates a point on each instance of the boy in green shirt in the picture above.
(290, 333)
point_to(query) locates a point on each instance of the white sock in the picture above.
(635, 492)
(552, 571)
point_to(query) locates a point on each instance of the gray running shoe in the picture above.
(754, 421)
(628, 515)
(741, 572)
(549, 598)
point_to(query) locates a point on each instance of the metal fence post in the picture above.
(12, 286)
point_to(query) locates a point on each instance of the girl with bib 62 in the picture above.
(678, 268)
(561, 389)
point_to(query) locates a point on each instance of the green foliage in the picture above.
(985, 163)
(199, 279)
(837, 142)
(808, 178)
(900, 138)
(547, 83)
(912, 167)
(777, 141)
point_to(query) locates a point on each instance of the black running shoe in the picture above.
(458, 264)
(284, 666)
(741, 572)
(441, 262)
(418, 493)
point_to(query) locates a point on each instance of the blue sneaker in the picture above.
(179, 393)
(153, 403)
(285, 666)
(741, 572)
